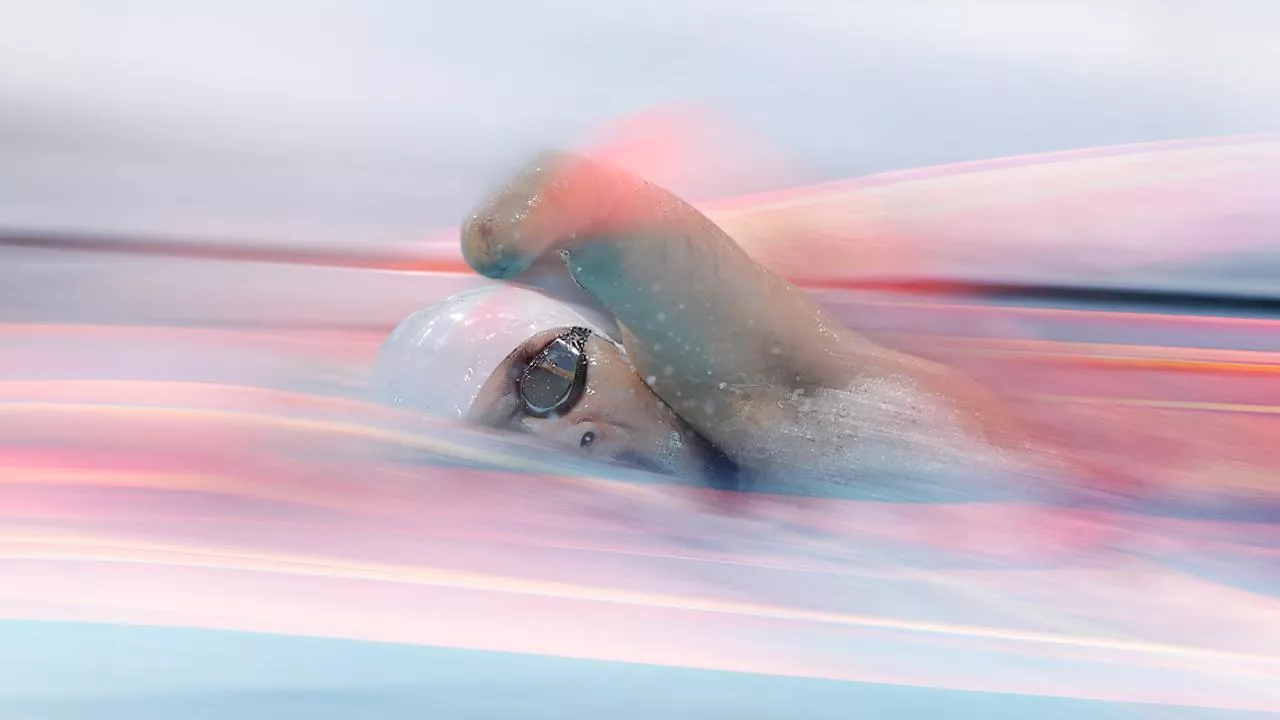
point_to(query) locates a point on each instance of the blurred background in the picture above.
(178, 444)
(328, 121)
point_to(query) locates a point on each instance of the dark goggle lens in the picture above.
(553, 381)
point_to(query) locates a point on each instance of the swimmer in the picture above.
(694, 358)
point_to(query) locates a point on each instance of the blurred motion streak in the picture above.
(184, 441)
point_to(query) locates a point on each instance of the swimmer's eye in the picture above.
(553, 381)
(588, 439)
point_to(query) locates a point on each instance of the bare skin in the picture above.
(618, 419)
(727, 344)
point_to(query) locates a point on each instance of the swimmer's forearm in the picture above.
(714, 333)
(676, 281)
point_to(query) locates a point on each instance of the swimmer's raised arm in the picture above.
(724, 341)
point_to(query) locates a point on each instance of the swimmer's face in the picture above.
(610, 414)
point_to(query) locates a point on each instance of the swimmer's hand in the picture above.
(725, 342)
(557, 202)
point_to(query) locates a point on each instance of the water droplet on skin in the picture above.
(651, 379)
(680, 306)
(668, 370)
(723, 385)
(662, 317)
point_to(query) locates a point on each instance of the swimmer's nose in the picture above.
(584, 435)
(610, 443)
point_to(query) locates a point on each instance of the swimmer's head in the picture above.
(512, 358)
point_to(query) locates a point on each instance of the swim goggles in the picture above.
(553, 382)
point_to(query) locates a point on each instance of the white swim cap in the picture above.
(437, 359)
